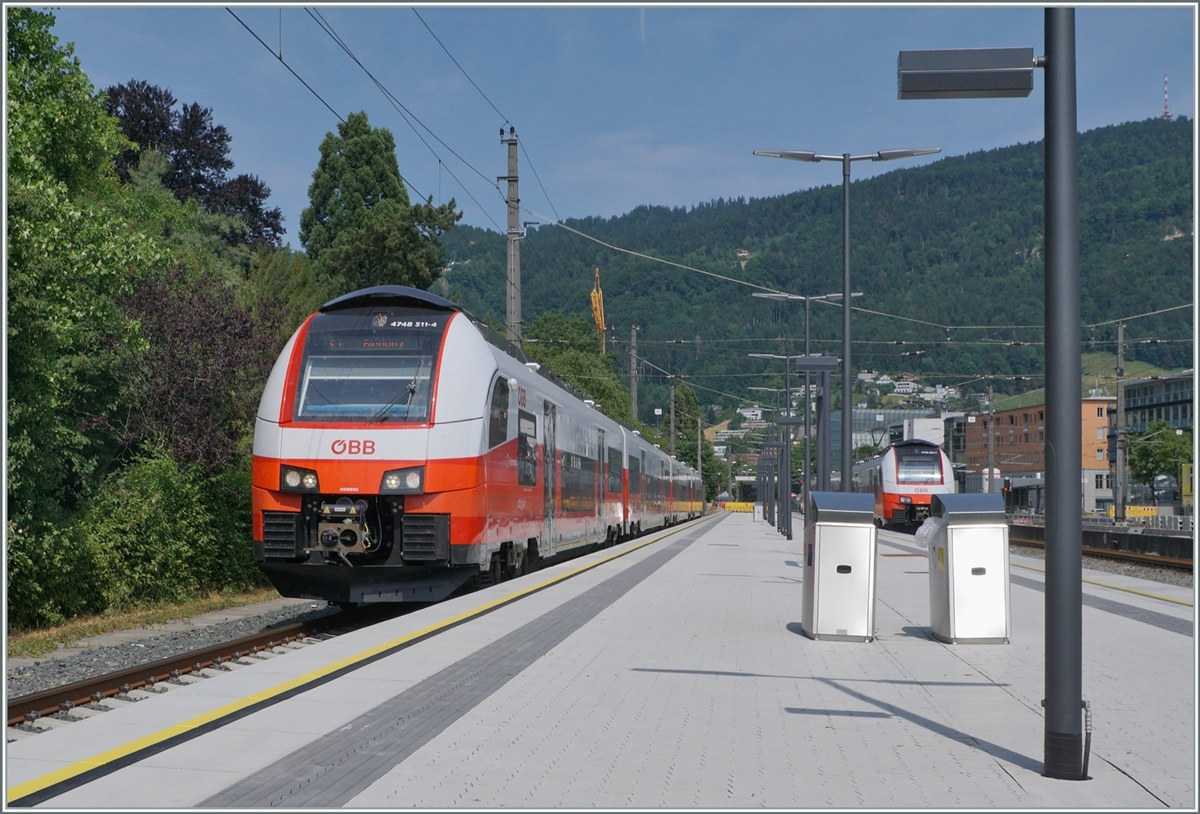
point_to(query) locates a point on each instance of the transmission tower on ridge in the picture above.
(1166, 107)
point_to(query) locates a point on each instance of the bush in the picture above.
(152, 532)
(228, 500)
(51, 574)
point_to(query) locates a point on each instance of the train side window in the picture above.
(614, 470)
(635, 471)
(526, 448)
(498, 426)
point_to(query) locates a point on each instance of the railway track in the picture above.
(1177, 563)
(90, 694)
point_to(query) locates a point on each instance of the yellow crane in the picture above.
(598, 310)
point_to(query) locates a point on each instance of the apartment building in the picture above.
(1020, 446)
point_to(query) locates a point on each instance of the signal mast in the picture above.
(1166, 107)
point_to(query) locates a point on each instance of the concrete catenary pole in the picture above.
(1119, 479)
(633, 370)
(991, 431)
(672, 422)
(512, 320)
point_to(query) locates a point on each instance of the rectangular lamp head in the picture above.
(965, 73)
(817, 364)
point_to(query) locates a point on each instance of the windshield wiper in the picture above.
(407, 394)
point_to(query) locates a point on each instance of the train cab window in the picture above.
(498, 423)
(369, 364)
(526, 448)
(918, 464)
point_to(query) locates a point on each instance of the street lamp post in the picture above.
(807, 369)
(1008, 72)
(847, 380)
(785, 425)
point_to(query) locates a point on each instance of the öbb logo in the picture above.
(343, 447)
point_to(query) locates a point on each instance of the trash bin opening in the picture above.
(843, 569)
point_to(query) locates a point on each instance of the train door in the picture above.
(602, 475)
(549, 480)
(645, 484)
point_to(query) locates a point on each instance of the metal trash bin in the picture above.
(968, 570)
(758, 512)
(839, 567)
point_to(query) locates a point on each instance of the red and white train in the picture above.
(904, 479)
(403, 449)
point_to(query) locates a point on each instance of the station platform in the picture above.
(668, 672)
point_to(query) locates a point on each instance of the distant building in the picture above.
(904, 388)
(884, 379)
(1020, 443)
(751, 413)
(867, 375)
(742, 254)
(1161, 398)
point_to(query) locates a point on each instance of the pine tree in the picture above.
(360, 227)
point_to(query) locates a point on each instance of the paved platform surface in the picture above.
(672, 676)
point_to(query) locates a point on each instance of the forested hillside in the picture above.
(956, 243)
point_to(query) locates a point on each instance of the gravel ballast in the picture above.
(53, 671)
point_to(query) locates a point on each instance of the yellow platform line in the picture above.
(125, 750)
(1116, 587)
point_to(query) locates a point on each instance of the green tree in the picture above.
(360, 226)
(68, 260)
(567, 345)
(1160, 450)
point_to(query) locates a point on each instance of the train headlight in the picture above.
(295, 479)
(905, 499)
(409, 481)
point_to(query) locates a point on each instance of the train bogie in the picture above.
(402, 451)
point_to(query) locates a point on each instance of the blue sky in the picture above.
(616, 106)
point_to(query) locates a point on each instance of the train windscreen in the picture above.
(369, 364)
(918, 464)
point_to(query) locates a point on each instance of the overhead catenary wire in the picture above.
(405, 114)
(408, 183)
(279, 57)
(507, 121)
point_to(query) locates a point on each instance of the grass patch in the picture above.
(34, 643)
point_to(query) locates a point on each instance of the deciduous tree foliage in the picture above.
(193, 390)
(197, 153)
(1158, 451)
(68, 258)
(95, 357)
(360, 226)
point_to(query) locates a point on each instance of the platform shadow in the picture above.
(837, 713)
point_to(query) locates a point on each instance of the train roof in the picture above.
(390, 295)
(415, 297)
(915, 442)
